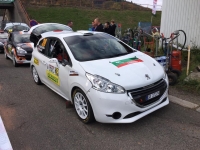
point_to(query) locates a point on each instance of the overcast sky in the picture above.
(145, 2)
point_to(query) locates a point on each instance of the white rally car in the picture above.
(104, 78)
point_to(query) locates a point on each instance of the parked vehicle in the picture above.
(3, 39)
(19, 48)
(16, 26)
(103, 77)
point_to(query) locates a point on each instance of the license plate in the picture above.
(150, 96)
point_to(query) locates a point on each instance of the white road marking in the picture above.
(4, 140)
(182, 102)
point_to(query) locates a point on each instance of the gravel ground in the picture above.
(193, 97)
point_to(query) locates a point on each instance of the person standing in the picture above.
(93, 26)
(99, 26)
(107, 28)
(70, 24)
(112, 27)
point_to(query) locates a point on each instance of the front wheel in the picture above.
(5, 55)
(172, 78)
(36, 76)
(14, 62)
(82, 106)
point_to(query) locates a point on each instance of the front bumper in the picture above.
(106, 104)
(22, 60)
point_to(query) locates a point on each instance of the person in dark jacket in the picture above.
(112, 27)
(107, 28)
(99, 26)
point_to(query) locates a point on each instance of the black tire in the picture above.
(15, 64)
(84, 104)
(35, 75)
(177, 72)
(6, 55)
(172, 78)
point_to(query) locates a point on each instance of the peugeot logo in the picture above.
(147, 76)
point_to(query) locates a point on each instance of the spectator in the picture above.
(107, 28)
(93, 26)
(113, 27)
(70, 24)
(99, 26)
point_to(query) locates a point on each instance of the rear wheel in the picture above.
(172, 78)
(36, 76)
(82, 106)
(177, 72)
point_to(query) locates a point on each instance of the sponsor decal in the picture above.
(128, 61)
(54, 78)
(36, 61)
(53, 74)
(73, 73)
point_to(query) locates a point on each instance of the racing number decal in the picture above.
(53, 74)
(36, 61)
(44, 42)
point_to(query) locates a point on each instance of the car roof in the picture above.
(15, 23)
(63, 34)
(33, 27)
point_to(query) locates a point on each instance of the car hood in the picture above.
(130, 71)
(26, 46)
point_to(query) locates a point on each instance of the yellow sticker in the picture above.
(36, 61)
(54, 78)
(44, 42)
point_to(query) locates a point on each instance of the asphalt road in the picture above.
(36, 119)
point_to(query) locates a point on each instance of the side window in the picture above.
(57, 50)
(42, 46)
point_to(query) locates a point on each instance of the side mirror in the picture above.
(65, 62)
(54, 60)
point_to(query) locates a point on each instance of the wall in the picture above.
(182, 14)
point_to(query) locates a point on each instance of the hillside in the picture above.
(100, 4)
(82, 17)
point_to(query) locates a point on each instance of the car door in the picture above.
(52, 65)
(65, 67)
(9, 46)
(41, 58)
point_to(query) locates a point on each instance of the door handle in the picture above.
(44, 62)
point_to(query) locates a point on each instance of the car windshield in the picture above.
(97, 46)
(21, 38)
(19, 28)
(50, 27)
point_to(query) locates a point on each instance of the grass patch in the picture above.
(191, 85)
(83, 17)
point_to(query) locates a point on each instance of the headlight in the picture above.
(104, 85)
(164, 75)
(1, 43)
(21, 51)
